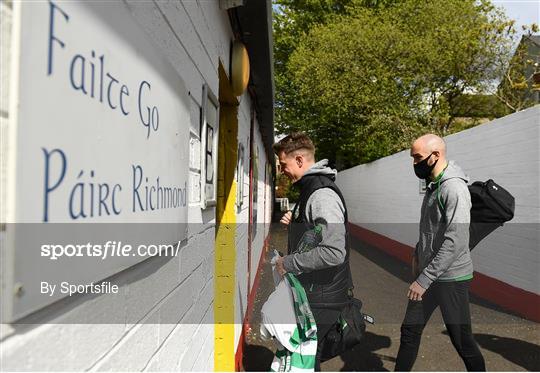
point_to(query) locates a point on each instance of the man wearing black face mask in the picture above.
(441, 262)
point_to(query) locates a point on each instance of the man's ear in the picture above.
(299, 160)
(437, 154)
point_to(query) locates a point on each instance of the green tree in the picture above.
(365, 78)
(479, 106)
(285, 189)
(516, 88)
(292, 21)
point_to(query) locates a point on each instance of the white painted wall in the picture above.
(5, 36)
(192, 35)
(5, 31)
(383, 196)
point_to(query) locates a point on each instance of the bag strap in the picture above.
(437, 191)
(439, 200)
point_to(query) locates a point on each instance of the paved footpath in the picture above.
(508, 342)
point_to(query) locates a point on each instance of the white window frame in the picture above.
(209, 199)
(240, 175)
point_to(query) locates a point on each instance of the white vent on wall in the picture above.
(422, 186)
(228, 4)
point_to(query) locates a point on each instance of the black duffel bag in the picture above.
(492, 206)
(347, 332)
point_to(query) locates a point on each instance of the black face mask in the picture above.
(422, 169)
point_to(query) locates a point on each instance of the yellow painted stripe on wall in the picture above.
(225, 245)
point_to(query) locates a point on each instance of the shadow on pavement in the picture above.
(362, 356)
(524, 354)
(402, 271)
(383, 260)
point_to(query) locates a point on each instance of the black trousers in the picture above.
(325, 319)
(453, 299)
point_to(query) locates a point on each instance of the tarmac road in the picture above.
(508, 342)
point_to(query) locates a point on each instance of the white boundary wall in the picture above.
(383, 196)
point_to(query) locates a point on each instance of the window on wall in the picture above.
(245, 187)
(255, 186)
(240, 175)
(195, 153)
(209, 158)
(209, 147)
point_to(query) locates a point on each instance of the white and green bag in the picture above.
(287, 317)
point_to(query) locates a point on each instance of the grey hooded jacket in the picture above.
(323, 207)
(443, 248)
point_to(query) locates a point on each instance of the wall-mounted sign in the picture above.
(194, 168)
(101, 120)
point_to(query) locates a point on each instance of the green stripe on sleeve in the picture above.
(461, 278)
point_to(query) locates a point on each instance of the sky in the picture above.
(524, 12)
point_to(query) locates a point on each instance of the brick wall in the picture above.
(193, 36)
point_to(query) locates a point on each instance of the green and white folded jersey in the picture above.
(287, 317)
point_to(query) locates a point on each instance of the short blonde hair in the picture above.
(293, 142)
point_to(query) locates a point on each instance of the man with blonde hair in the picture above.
(442, 265)
(321, 265)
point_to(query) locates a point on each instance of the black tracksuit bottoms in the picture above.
(453, 299)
